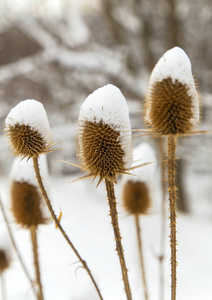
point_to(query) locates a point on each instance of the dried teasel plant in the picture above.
(28, 132)
(137, 194)
(5, 259)
(105, 150)
(27, 204)
(172, 110)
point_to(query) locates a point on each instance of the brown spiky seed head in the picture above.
(28, 129)
(26, 200)
(25, 141)
(101, 152)
(4, 261)
(136, 197)
(172, 102)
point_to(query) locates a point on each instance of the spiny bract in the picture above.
(26, 201)
(136, 197)
(101, 152)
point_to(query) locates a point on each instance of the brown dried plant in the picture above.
(29, 137)
(172, 110)
(137, 201)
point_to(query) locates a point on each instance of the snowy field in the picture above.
(87, 222)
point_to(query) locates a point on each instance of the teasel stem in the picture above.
(114, 218)
(16, 249)
(33, 233)
(172, 141)
(54, 217)
(141, 257)
(3, 289)
(163, 215)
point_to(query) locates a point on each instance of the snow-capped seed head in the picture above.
(4, 261)
(26, 200)
(172, 102)
(105, 133)
(28, 129)
(136, 197)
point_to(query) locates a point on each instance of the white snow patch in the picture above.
(176, 64)
(109, 105)
(32, 113)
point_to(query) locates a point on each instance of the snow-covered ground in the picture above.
(87, 222)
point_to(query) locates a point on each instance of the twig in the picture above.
(141, 257)
(16, 249)
(119, 248)
(48, 203)
(172, 141)
(36, 261)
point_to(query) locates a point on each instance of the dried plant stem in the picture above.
(141, 257)
(48, 203)
(3, 290)
(16, 249)
(114, 218)
(33, 233)
(172, 141)
(163, 215)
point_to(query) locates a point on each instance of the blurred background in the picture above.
(59, 51)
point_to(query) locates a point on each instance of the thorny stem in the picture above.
(16, 249)
(172, 141)
(36, 261)
(141, 257)
(163, 216)
(114, 219)
(48, 203)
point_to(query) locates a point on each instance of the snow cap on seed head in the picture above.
(172, 101)
(105, 133)
(28, 129)
(27, 203)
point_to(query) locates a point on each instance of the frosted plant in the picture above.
(29, 135)
(172, 109)
(105, 149)
(136, 195)
(27, 203)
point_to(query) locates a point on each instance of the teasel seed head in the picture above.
(27, 204)
(4, 261)
(105, 134)
(27, 128)
(172, 101)
(137, 190)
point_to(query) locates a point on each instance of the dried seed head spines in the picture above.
(105, 133)
(28, 129)
(172, 101)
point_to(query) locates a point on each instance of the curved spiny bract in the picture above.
(26, 200)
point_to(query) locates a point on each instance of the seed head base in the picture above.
(169, 107)
(26, 204)
(101, 153)
(136, 197)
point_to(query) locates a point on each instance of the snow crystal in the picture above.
(176, 64)
(30, 112)
(109, 105)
